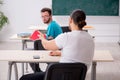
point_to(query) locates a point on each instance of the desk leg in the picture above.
(23, 47)
(23, 44)
(27, 68)
(22, 68)
(93, 71)
(16, 71)
(9, 70)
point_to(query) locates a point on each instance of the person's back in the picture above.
(78, 47)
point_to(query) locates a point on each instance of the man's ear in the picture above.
(70, 20)
(50, 16)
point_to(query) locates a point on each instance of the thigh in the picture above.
(38, 45)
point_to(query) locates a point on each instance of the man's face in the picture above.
(46, 17)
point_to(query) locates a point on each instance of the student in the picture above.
(53, 30)
(76, 46)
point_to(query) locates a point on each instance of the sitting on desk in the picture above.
(76, 46)
(53, 31)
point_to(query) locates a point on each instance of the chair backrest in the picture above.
(65, 29)
(66, 71)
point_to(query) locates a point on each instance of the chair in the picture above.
(65, 29)
(66, 71)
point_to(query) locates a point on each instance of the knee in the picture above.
(37, 41)
(25, 77)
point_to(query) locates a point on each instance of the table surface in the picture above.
(41, 28)
(15, 37)
(38, 28)
(27, 56)
(45, 28)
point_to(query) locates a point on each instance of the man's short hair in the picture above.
(47, 9)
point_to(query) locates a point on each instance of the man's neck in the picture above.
(49, 22)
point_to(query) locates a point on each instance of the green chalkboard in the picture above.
(91, 7)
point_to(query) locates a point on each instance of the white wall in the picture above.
(106, 28)
(23, 13)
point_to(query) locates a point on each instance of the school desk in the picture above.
(22, 56)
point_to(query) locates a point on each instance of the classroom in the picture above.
(23, 15)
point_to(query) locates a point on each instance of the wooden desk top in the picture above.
(38, 28)
(15, 37)
(45, 28)
(88, 28)
(27, 56)
(102, 56)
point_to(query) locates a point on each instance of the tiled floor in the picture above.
(105, 70)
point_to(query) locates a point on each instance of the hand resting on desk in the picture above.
(55, 53)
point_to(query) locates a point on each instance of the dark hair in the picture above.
(47, 9)
(79, 18)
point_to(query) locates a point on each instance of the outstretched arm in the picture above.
(50, 45)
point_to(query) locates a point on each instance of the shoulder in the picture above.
(53, 23)
(61, 40)
(64, 35)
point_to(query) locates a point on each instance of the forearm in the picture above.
(49, 45)
(44, 43)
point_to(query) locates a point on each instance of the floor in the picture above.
(105, 70)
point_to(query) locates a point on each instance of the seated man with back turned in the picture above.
(76, 46)
(53, 30)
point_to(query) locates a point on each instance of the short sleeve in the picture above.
(50, 31)
(61, 40)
